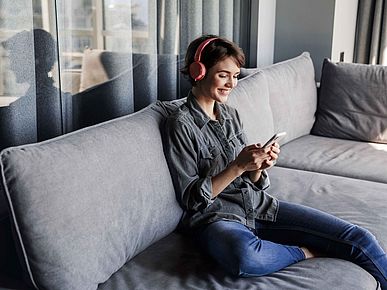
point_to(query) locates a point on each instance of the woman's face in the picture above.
(219, 80)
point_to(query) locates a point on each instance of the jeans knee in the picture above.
(364, 236)
(362, 241)
(357, 234)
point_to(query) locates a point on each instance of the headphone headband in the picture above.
(197, 70)
(198, 53)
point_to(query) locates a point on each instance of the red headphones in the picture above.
(197, 70)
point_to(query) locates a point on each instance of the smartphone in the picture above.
(275, 138)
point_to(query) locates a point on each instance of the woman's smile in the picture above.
(224, 92)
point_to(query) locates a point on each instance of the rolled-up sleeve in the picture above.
(264, 182)
(192, 191)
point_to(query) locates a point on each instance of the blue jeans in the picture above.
(274, 245)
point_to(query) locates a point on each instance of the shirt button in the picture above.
(250, 210)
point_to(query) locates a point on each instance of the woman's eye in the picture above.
(222, 76)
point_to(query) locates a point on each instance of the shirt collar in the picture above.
(200, 117)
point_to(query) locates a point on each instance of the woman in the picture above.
(220, 182)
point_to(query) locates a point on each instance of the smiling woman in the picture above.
(207, 181)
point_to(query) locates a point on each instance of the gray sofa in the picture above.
(96, 208)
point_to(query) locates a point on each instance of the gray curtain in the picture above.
(139, 77)
(219, 17)
(371, 32)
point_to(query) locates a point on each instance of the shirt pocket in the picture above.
(210, 160)
(237, 142)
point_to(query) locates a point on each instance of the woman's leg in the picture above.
(236, 248)
(314, 229)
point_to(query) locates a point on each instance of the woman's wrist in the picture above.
(255, 175)
(236, 169)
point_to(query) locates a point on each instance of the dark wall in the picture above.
(304, 25)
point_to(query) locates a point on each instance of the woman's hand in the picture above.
(253, 157)
(273, 152)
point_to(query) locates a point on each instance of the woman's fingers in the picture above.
(254, 157)
(253, 147)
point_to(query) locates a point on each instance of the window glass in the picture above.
(15, 16)
(117, 25)
(30, 104)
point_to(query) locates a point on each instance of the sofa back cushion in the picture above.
(85, 203)
(293, 95)
(352, 102)
(251, 98)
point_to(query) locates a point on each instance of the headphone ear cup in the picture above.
(197, 70)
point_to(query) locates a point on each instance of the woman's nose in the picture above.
(231, 82)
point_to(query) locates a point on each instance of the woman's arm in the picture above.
(192, 191)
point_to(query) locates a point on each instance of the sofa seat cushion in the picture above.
(353, 159)
(176, 263)
(361, 202)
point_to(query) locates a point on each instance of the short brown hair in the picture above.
(215, 51)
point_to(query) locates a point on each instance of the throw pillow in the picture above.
(352, 102)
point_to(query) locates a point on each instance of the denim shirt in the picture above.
(198, 148)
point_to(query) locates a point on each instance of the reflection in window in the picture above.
(15, 16)
(112, 57)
